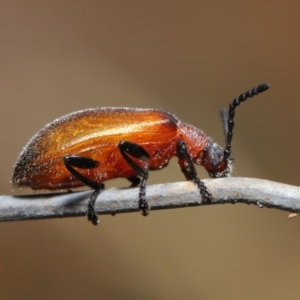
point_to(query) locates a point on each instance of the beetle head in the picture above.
(214, 161)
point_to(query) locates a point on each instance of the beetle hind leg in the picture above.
(71, 162)
(134, 150)
(189, 171)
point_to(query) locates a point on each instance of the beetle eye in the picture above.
(216, 158)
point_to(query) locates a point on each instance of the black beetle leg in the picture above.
(134, 150)
(81, 162)
(189, 170)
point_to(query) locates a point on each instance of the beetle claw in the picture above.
(206, 194)
(92, 216)
(144, 207)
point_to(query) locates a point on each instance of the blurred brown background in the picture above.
(187, 57)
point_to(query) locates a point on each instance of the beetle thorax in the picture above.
(195, 139)
(204, 151)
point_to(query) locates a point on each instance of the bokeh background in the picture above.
(187, 57)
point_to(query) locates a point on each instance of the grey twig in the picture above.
(262, 193)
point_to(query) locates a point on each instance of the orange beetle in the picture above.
(91, 146)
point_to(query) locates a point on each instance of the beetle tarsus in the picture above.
(144, 207)
(91, 214)
(204, 191)
(143, 204)
(93, 218)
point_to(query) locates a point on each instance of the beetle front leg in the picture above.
(134, 150)
(74, 161)
(189, 171)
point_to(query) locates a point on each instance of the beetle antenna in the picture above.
(231, 112)
(224, 117)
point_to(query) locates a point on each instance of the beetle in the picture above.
(91, 146)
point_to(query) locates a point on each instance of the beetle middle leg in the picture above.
(189, 171)
(82, 162)
(136, 151)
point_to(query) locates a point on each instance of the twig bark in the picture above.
(262, 193)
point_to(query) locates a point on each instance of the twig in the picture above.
(263, 193)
